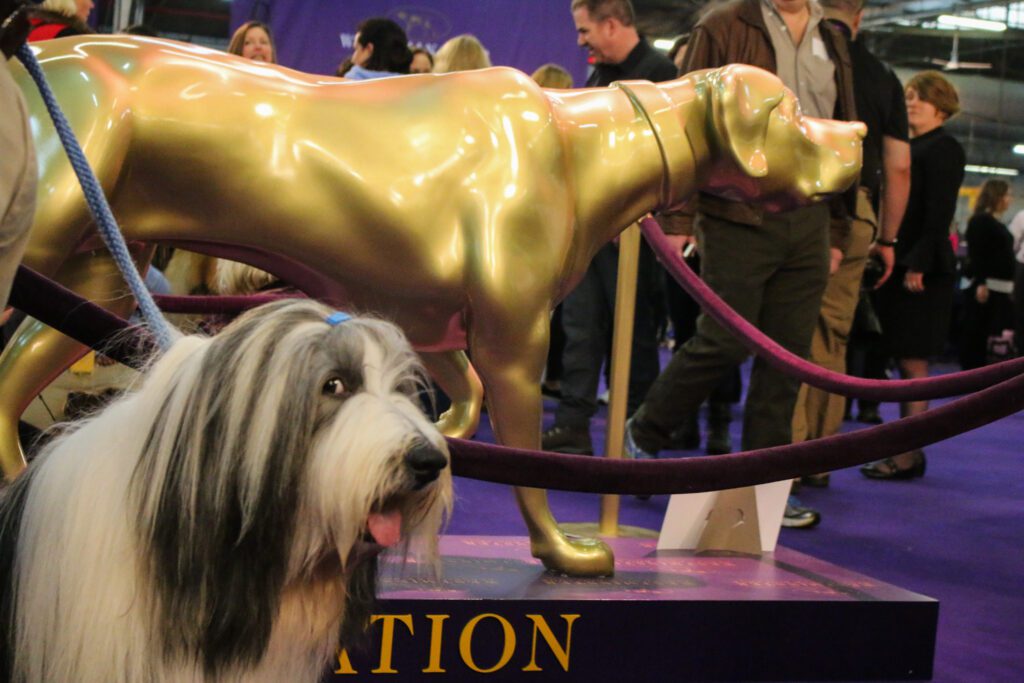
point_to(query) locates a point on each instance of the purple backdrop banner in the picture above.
(316, 35)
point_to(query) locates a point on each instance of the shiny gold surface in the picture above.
(622, 347)
(462, 206)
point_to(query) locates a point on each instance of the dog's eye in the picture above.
(334, 387)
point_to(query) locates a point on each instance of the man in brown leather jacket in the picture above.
(771, 268)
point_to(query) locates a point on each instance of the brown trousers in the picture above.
(819, 413)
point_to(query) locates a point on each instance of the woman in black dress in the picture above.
(915, 303)
(990, 264)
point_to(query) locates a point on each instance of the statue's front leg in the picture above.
(511, 365)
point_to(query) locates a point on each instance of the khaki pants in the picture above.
(17, 180)
(819, 413)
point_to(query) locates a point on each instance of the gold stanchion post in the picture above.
(622, 345)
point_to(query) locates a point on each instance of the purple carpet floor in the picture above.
(956, 535)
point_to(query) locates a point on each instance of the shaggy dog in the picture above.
(221, 522)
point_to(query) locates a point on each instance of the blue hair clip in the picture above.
(337, 318)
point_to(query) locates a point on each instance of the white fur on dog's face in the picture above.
(219, 518)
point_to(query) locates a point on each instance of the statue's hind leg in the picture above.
(38, 354)
(455, 375)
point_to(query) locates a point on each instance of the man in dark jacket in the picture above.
(607, 29)
(771, 268)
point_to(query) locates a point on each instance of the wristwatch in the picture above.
(885, 243)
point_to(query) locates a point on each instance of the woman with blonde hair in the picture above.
(552, 76)
(253, 40)
(461, 53)
(915, 303)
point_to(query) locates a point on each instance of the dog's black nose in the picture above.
(426, 463)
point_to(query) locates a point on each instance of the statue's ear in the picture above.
(742, 99)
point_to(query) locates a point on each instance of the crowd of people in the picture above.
(868, 281)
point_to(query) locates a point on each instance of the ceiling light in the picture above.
(972, 23)
(991, 170)
(1018, 149)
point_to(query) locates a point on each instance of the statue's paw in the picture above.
(574, 555)
(458, 424)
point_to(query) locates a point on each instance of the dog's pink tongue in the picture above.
(386, 527)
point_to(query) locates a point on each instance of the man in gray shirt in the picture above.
(771, 268)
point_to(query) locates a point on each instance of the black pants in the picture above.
(773, 275)
(587, 317)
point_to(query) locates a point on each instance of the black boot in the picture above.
(719, 417)
(687, 437)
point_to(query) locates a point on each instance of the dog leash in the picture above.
(98, 206)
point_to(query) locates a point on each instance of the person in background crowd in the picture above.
(59, 18)
(885, 176)
(253, 40)
(1017, 230)
(682, 313)
(607, 29)
(422, 61)
(990, 264)
(915, 303)
(381, 50)
(771, 268)
(461, 53)
(552, 76)
(343, 68)
(17, 156)
(678, 52)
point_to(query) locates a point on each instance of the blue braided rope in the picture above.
(99, 207)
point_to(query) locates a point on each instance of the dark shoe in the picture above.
(870, 416)
(719, 439)
(629, 447)
(631, 450)
(572, 440)
(551, 389)
(798, 516)
(815, 481)
(887, 468)
(687, 437)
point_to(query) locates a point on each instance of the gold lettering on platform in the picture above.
(466, 643)
(560, 653)
(436, 626)
(560, 649)
(344, 664)
(387, 639)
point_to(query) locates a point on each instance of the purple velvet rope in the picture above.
(90, 324)
(520, 467)
(81, 320)
(805, 371)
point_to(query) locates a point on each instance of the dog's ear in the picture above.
(742, 100)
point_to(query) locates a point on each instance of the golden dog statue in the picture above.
(462, 206)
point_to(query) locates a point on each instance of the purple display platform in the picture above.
(496, 615)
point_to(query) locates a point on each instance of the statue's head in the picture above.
(764, 150)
